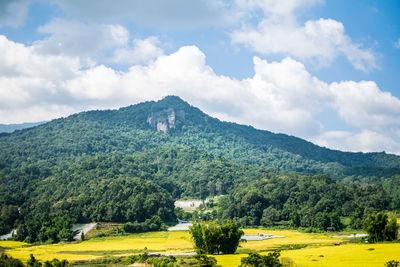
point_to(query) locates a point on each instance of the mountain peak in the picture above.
(172, 99)
(168, 113)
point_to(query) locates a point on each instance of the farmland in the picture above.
(171, 242)
(304, 249)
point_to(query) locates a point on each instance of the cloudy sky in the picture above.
(324, 70)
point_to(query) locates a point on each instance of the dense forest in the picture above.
(129, 165)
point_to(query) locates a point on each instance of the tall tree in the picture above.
(210, 237)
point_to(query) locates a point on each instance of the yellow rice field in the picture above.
(319, 251)
(350, 255)
(292, 237)
(345, 255)
(12, 244)
(171, 242)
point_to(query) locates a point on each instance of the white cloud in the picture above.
(364, 141)
(13, 12)
(92, 42)
(28, 78)
(281, 96)
(79, 39)
(279, 33)
(142, 51)
(365, 106)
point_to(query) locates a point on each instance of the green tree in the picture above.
(230, 237)
(33, 262)
(82, 236)
(392, 229)
(379, 228)
(210, 237)
(375, 225)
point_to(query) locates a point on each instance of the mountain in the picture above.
(130, 164)
(9, 128)
(173, 122)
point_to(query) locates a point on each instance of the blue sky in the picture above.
(326, 71)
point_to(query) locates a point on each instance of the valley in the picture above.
(140, 169)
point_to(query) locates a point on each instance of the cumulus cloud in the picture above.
(364, 141)
(142, 51)
(13, 12)
(281, 96)
(278, 32)
(73, 38)
(28, 78)
(365, 106)
(93, 42)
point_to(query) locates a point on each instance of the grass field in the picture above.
(318, 249)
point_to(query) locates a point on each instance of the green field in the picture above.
(315, 249)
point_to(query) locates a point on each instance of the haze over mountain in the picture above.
(9, 128)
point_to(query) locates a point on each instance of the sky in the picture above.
(327, 71)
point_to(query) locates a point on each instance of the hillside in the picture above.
(172, 121)
(43, 202)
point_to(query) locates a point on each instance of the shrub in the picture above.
(6, 261)
(392, 263)
(257, 260)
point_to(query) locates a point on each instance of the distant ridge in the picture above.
(9, 128)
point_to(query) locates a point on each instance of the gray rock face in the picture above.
(165, 119)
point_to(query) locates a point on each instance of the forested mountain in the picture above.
(172, 121)
(129, 165)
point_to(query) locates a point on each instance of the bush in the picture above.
(206, 261)
(257, 260)
(163, 261)
(392, 263)
(56, 263)
(33, 262)
(7, 261)
(139, 258)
